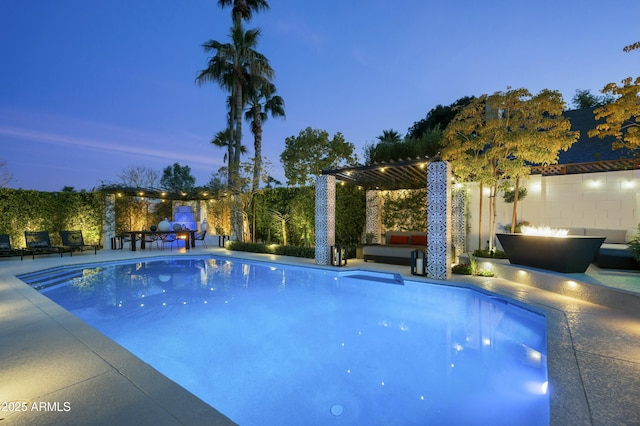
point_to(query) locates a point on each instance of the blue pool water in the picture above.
(273, 344)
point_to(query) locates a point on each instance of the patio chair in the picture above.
(125, 238)
(40, 243)
(168, 239)
(73, 240)
(5, 247)
(149, 239)
(200, 237)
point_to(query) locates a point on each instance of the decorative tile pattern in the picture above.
(373, 224)
(439, 220)
(459, 221)
(325, 217)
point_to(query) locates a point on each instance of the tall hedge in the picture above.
(28, 210)
(298, 204)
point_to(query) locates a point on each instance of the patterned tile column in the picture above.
(459, 221)
(109, 221)
(325, 217)
(439, 220)
(373, 224)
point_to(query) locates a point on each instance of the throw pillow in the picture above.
(419, 240)
(399, 239)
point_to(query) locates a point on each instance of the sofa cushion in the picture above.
(576, 231)
(630, 235)
(419, 240)
(612, 236)
(399, 239)
(620, 250)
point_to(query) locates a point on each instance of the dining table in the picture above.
(188, 235)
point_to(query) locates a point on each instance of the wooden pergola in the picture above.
(402, 174)
(156, 193)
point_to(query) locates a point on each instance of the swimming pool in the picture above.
(274, 344)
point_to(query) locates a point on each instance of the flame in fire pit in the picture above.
(544, 231)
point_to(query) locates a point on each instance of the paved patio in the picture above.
(68, 373)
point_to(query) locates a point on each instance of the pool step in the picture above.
(380, 277)
(44, 279)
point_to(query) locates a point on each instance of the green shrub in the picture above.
(462, 269)
(308, 252)
(249, 247)
(634, 245)
(492, 254)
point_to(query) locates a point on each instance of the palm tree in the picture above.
(224, 139)
(390, 136)
(257, 114)
(233, 65)
(243, 9)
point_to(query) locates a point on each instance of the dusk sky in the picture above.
(91, 87)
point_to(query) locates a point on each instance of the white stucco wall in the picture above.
(608, 200)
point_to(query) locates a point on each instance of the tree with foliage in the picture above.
(438, 117)
(427, 145)
(585, 99)
(262, 102)
(243, 9)
(235, 66)
(177, 178)
(389, 136)
(224, 139)
(633, 46)
(306, 155)
(622, 117)
(5, 175)
(138, 177)
(496, 138)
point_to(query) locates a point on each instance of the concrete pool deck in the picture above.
(56, 369)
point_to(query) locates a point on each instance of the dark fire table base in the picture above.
(570, 254)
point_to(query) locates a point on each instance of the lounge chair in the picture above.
(73, 241)
(200, 237)
(5, 247)
(40, 243)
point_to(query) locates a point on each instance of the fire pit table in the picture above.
(567, 254)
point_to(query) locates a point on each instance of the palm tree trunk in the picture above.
(257, 145)
(234, 165)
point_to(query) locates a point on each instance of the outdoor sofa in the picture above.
(614, 252)
(397, 247)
